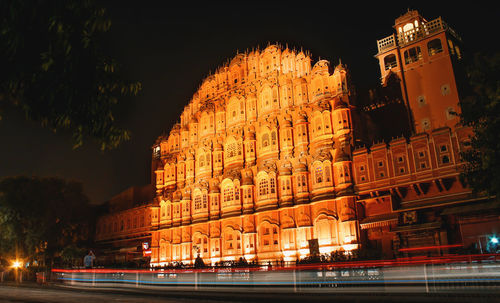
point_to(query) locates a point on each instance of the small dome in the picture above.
(340, 67)
(301, 117)
(286, 123)
(340, 103)
(218, 146)
(214, 187)
(177, 196)
(176, 127)
(285, 170)
(249, 135)
(186, 194)
(247, 180)
(341, 156)
(300, 167)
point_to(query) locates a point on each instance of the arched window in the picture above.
(272, 185)
(326, 230)
(163, 208)
(228, 194)
(434, 47)
(197, 201)
(266, 186)
(269, 237)
(301, 183)
(412, 55)
(265, 99)
(328, 174)
(200, 245)
(232, 149)
(318, 171)
(317, 124)
(265, 140)
(274, 138)
(390, 61)
(263, 187)
(232, 241)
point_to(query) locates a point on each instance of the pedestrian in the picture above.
(88, 261)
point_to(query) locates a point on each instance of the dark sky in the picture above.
(170, 49)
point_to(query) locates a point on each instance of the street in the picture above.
(52, 294)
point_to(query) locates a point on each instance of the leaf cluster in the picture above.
(55, 71)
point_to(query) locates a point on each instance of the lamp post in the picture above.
(16, 264)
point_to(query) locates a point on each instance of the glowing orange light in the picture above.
(17, 264)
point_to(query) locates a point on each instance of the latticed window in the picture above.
(205, 199)
(318, 124)
(301, 183)
(232, 150)
(236, 194)
(390, 61)
(197, 202)
(228, 194)
(274, 139)
(319, 174)
(263, 187)
(327, 174)
(272, 184)
(265, 140)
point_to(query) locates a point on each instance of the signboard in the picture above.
(146, 251)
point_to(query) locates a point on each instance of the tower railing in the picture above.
(422, 31)
(415, 34)
(386, 43)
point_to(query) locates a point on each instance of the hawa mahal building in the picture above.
(268, 163)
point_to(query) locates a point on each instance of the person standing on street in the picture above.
(88, 261)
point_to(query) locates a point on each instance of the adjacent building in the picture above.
(125, 226)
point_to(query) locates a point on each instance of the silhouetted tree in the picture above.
(481, 111)
(39, 217)
(55, 71)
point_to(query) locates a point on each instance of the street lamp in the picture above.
(494, 240)
(16, 264)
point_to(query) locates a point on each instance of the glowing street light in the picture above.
(494, 240)
(16, 264)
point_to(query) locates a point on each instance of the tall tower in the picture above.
(425, 56)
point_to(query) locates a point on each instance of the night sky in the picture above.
(170, 49)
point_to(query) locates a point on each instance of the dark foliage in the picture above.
(481, 111)
(55, 71)
(41, 217)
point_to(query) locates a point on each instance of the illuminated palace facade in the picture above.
(259, 164)
(263, 163)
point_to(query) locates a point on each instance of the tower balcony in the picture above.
(421, 32)
(414, 33)
(386, 43)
